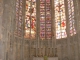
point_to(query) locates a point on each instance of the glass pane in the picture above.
(19, 17)
(45, 19)
(30, 19)
(17, 14)
(60, 19)
(42, 19)
(33, 19)
(48, 19)
(71, 17)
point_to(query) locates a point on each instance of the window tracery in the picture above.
(45, 22)
(45, 19)
(60, 19)
(30, 19)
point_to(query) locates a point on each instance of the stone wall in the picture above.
(69, 49)
(7, 11)
(1, 41)
(16, 48)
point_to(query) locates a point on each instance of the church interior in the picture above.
(39, 29)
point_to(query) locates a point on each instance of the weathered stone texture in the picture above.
(15, 48)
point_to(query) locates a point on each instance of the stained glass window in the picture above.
(19, 17)
(45, 19)
(71, 17)
(60, 19)
(30, 19)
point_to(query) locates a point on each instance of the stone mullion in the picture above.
(30, 32)
(23, 26)
(4, 58)
(52, 28)
(1, 13)
(14, 17)
(30, 49)
(73, 37)
(12, 25)
(23, 32)
(5, 28)
(47, 43)
(42, 48)
(54, 41)
(11, 45)
(8, 47)
(36, 44)
(78, 7)
(18, 44)
(1, 18)
(42, 45)
(77, 24)
(15, 38)
(1, 30)
(21, 49)
(75, 41)
(68, 30)
(51, 49)
(48, 47)
(16, 48)
(39, 41)
(61, 50)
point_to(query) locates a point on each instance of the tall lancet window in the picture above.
(71, 17)
(45, 14)
(30, 19)
(19, 17)
(60, 19)
(45, 20)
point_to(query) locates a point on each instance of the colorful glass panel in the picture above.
(30, 19)
(45, 19)
(60, 19)
(71, 17)
(19, 17)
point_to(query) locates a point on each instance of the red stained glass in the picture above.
(60, 19)
(63, 24)
(30, 19)
(45, 20)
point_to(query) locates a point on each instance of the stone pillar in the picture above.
(1, 41)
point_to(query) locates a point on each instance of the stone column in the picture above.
(1, 41)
